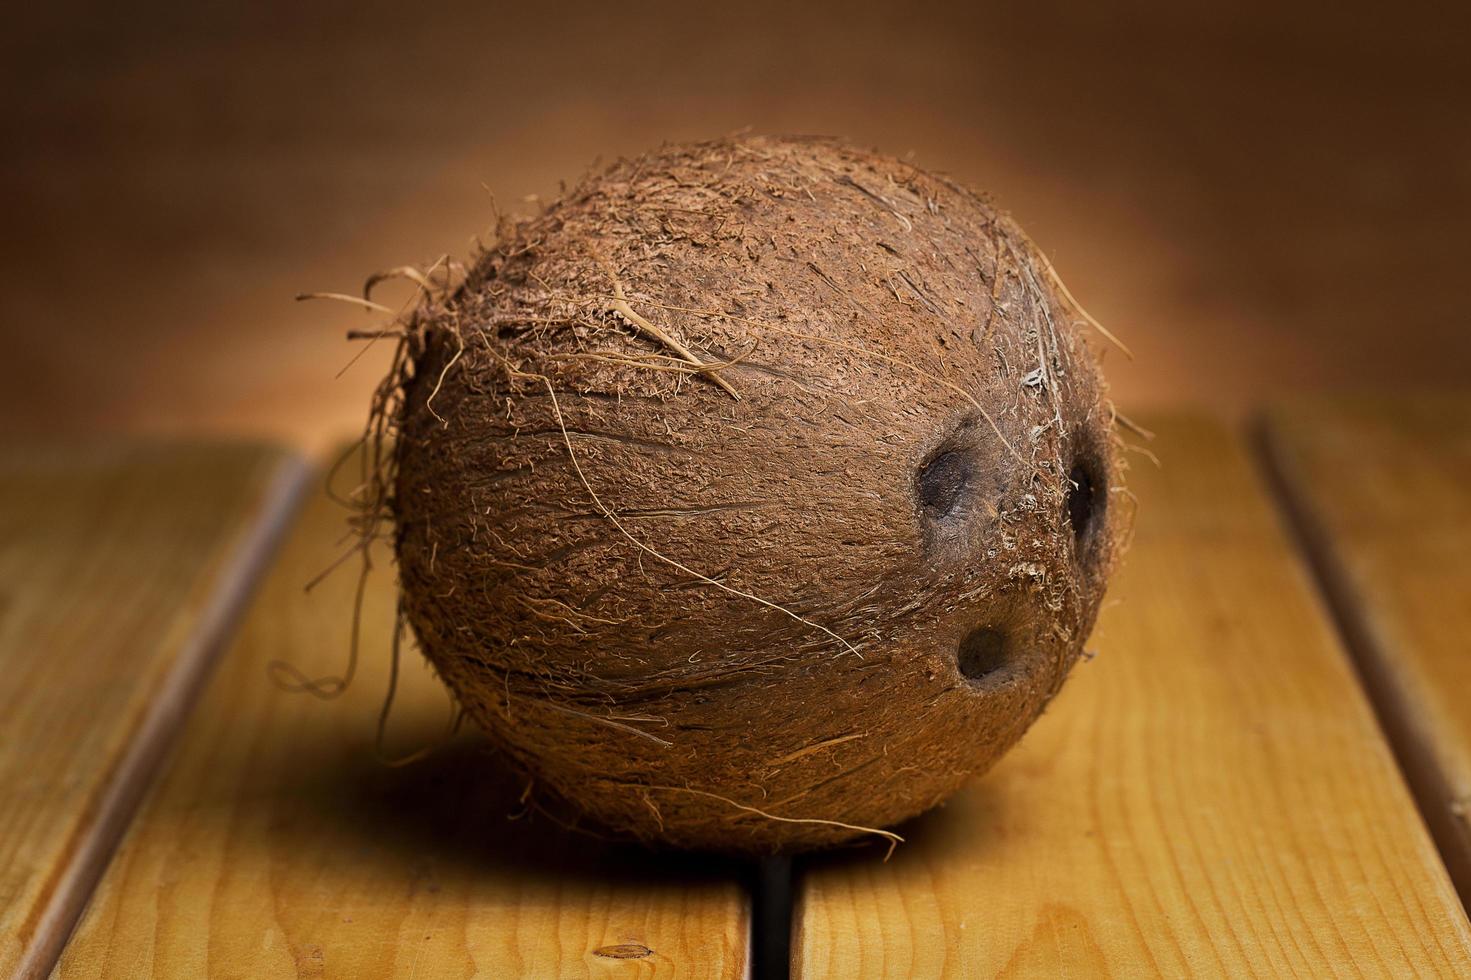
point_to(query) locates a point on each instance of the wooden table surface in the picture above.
(1262, 773)
(1210, 796)
(279, 845)
(1382, 492)
(122, 568)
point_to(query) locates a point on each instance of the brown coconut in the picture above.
(758, 493)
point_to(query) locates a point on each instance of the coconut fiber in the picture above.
(753, 496)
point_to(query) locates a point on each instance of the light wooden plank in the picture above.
(121, 570)
(278, 845)
(1211, 796)
(1382, 492)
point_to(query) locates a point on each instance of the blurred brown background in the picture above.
(1259, 199)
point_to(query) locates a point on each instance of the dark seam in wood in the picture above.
(1416, 759)
(113, 804)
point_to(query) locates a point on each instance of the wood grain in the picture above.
(121, 570)
(1211, 796)
(278, 844)
(1382, 493)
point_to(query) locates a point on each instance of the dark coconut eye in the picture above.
(983, 654)
(1084, 498)
(941, 482)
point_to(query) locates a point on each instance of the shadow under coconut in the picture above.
(971, 823)
(461, 807)
(308, 804)
(462, 803)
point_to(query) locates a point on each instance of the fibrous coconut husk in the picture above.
(756, 494)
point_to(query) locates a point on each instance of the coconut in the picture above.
(755, 495)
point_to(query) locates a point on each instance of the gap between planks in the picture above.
(276, 842)
(1393, 706)
(1214, 796)
(118, 797)
(771, 919)
(772, 886)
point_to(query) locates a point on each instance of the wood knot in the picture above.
(623, 951)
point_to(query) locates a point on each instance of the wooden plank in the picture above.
(121, 570)
(278, 845)
(1210, 796)
(1382, 493)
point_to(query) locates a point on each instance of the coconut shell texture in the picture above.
(755, 493)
